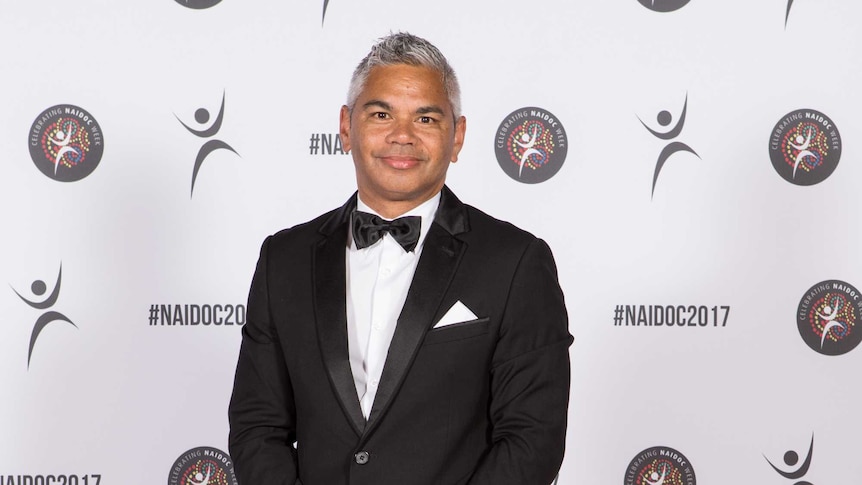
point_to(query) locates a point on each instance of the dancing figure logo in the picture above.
(323, 17)
(791, 458)
(202, 116)
(39, 288)
(665, 118)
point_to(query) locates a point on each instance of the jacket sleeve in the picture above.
(529, 378)
(262, 413)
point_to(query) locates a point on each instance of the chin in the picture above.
(401, 195)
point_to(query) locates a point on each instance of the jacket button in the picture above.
(361, 458)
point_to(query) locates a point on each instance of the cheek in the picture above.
(440, 148)
(370, 138)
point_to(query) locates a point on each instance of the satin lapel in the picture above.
(437, 265)
(331, 318)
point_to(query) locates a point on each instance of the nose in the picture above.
(401, 133)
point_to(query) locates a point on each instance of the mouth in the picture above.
(400, 162)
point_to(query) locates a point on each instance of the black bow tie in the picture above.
(368, 229)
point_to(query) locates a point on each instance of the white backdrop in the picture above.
(116, 396)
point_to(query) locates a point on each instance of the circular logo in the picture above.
(660, 464)
(198, 4)
(66, 143)
(827, 317)
(663, 5)
(201, 466)
(805, 147)
(531, 145)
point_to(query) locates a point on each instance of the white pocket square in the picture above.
(457, 314)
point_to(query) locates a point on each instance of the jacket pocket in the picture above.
(457, 331)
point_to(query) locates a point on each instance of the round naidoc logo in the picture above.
(203, 466)
(66, 143)
(531, 145)
(827, 317)
(805, 147)
(660, 465)
(663, 5)
(198, 4)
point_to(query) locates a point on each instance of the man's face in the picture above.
(403, 135)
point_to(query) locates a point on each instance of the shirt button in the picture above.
(362, 457)
(378, 326)
(373, 382)
(385, 271)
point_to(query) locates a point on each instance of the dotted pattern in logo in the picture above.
(827, 316)
(531, 145)
(660, 465)
(66, 143)
(805, 147)
(203, 465)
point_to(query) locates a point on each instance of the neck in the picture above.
(391, 209)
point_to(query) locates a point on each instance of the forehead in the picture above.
(404, 81)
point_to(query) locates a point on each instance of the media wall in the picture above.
(694, 166)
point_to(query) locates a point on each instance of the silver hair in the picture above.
(404, 48)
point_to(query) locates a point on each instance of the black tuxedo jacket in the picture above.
(479, 402)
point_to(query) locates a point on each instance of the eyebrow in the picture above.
(430, 109)
(378, 103)
(386, 106)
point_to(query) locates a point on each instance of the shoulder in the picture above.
(308, 229)
(491, 236)
(483, 226)
(300, 236)
(474, 226)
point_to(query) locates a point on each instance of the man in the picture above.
(425, 351)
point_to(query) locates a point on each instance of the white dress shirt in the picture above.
(378, 278)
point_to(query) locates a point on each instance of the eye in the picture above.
(426, 119)
(380, 115)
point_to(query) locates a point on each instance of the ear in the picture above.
(460, 130)
(344, 128)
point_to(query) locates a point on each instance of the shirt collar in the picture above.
(425, 210)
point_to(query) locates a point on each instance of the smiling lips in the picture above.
(400, 162)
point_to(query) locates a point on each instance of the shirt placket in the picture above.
(382, 318)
